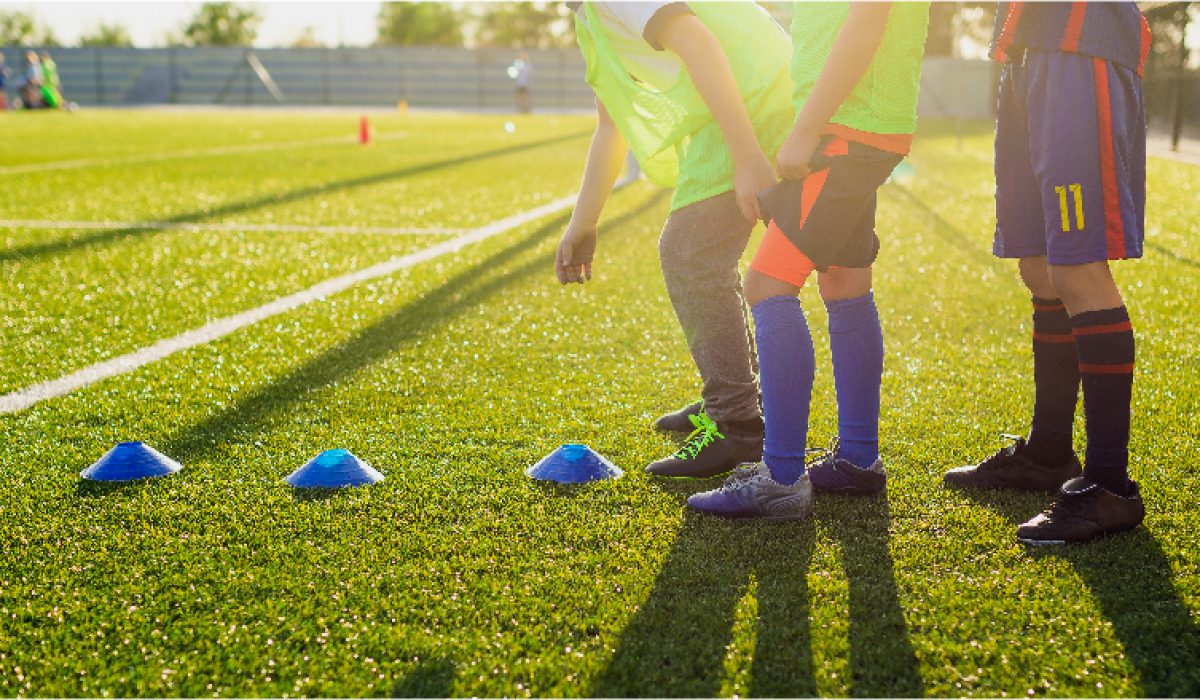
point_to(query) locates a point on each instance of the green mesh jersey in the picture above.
(885, 99)
(672, 133)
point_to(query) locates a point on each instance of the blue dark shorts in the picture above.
(1070, 159)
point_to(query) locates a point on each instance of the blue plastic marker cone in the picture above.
(574, 464)
(131, 460)
(333, 469)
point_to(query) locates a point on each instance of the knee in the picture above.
(759, 287)
(1085, 287)
(1035, 273)
(844, 283)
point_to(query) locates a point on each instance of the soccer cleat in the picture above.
(709, 452)
(1007, 469)
(750, 492)
(832, 474)
(680, 421)
(1083, 511)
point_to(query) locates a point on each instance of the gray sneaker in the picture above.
(750, 492)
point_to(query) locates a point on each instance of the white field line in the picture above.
(227, 226)
(22, 399)
(117, 159)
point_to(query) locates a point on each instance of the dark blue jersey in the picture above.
(1113, 31)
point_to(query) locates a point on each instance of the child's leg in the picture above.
(786, 364)
(700, 247)
(856, 347)
(1105, 346)
(1055, 370)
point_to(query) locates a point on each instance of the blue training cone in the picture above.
(333, 469)
(574, 464)
(131, 460)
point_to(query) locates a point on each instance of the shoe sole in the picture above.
(992, 487)
(1100, 536)
(692, 476)
(756, 518)
(849, 492)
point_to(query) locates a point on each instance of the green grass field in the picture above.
(458, 575)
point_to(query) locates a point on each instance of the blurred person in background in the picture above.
(3, 85)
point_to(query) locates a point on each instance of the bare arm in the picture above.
(851, 55)
(687, 37)
(605, 159)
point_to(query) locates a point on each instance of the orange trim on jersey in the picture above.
(1114, 227)
(1053, 337)
(1048, 307)
(1074, 30)
(1119, 327)
(1106, 369)
(1147, 39)
(1007, 34)
(899, 144)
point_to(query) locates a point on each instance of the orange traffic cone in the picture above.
(364, 130)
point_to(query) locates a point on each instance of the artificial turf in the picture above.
(459, 576)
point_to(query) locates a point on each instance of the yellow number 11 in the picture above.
(1077, 191)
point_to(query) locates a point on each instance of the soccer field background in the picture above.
(458, 575)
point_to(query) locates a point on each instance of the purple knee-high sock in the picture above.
(786, 362)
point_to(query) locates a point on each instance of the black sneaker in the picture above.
(1084, 511)
(680, 421)
(829, 473)
(709, 452)
(1007, 469)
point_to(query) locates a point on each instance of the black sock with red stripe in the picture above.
(1104, 342)
(1056, 385)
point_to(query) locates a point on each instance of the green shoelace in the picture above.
(704, 435)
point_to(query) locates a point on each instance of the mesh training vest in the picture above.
(885, 100)
(671, 132)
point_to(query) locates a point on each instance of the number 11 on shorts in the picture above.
(1077, 194)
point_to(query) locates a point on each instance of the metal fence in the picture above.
(424, 76)
(469, 79)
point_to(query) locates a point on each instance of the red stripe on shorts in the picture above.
(1071, 36)
(1114, 227)
(1147, 39)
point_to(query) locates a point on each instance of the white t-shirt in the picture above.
(631, 27)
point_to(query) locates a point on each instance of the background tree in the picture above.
(222, 24)
(107, 35)
(308, 40)
(525, 25)
(969, 20)
(411, 23)
(23, 29)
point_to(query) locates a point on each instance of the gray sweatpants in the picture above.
(699, 250)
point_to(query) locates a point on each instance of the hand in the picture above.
(573, 262)
(796, 152)
(749, 179)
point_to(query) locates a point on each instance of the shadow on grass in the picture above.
(370, 345)
(942, 228)
(1181, 259)
(111, 235)
(882, 661)
(86, 488)
(433, 678)
(676, 644)
(1133, 583)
